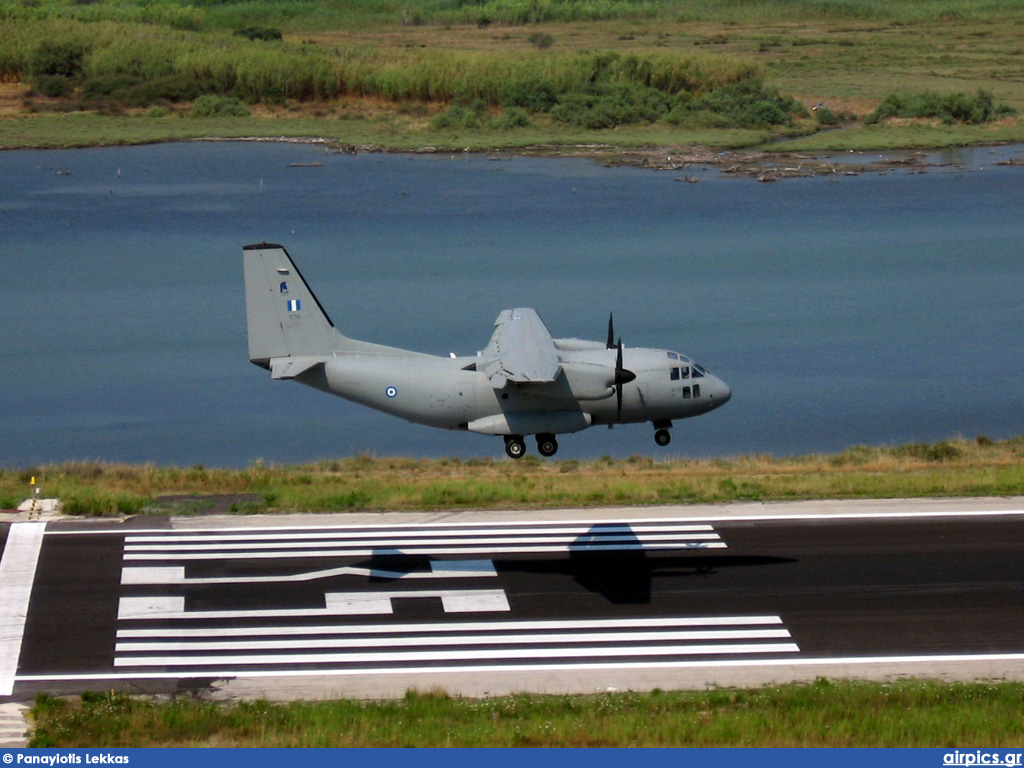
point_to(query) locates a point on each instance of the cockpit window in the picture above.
(673, 356)
(674, 374)
(698, 372)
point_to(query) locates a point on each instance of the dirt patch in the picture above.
(12, 98)
(202, 504)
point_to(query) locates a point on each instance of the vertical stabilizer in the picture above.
(283, 315)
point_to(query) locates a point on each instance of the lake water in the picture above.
(878, 309)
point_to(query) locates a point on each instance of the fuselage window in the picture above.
(686, 393)
(696, 390)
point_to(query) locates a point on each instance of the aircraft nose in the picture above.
(722, 393)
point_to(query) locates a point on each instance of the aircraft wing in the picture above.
(521, 349)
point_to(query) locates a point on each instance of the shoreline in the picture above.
(762, 164)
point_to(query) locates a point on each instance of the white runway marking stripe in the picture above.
(390, 542)
(553, 642)
(421, 531)
(460, 655)
(505, 538)
(544, 625)
(439, 569)
(395, 642)
(265, 555)
(17, 574)
(337, 604)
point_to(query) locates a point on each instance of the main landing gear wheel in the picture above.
(663, 437)
(515, 447)
(547, 445)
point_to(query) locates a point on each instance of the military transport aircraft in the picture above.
(523, 383)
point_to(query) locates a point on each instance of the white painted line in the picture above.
(476, 627)
(476, 670)
(156, 607)
(396, 642)
(337, 604)
(460, 655)
(17, 574)
(176, 574)
(263, 555)
(421, 531)
(823, 516)
(398, 546)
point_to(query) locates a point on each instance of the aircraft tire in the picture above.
(663, 437)
(515, 447)
(547, 445)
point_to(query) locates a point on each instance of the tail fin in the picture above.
(284, 317)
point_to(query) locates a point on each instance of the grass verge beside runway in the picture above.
(907, 713)
(960, 467)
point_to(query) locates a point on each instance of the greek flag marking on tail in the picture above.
(294, 305)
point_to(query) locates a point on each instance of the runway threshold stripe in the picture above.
(396, 642)
(393, 543)
(17, 574)
(419, 550)
(523, 529)
(479, 626)
(460, 655)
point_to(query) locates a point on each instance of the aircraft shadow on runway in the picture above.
(609, 559)
(626, 577)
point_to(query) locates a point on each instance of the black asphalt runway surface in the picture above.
(155, 608)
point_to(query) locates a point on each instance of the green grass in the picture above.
(950, 468)
(823, 714)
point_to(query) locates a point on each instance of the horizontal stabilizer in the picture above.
(290, 367)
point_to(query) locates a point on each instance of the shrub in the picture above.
(606, 105)
(746, 104)
(210, 105)
(259, 33)
(541, 40)
(60, 58)
(512, 118)
(949, 108)
(460, 116)
(54, 86)
(531, 95)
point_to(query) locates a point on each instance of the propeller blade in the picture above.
(611, 332)
(622, 376)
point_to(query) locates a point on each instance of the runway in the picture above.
(492, 603)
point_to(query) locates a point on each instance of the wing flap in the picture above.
(521, 349)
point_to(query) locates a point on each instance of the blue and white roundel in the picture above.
(391, 392)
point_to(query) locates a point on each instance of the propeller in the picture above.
(622, 376)
(610, 344)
